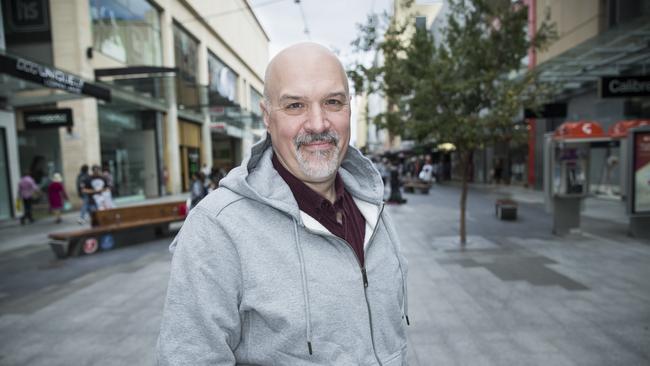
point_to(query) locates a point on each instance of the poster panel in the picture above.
(641, 172)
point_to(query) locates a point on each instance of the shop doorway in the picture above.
(191, 163)
(40, 155)
(128, 150)
(6, 203)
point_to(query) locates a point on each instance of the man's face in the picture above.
(308, 117)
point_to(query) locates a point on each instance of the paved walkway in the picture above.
(516, 296)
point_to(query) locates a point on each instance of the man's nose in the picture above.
(316, 119)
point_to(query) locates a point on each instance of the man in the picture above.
(95, 187)
(85, 199)
(292, 261)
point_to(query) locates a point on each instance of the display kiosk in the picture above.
(619, 131)
(566, 171)
(638, 182)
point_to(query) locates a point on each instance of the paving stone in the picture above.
(516, 296)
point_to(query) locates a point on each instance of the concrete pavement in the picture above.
(517, 294)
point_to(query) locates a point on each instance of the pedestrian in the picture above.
(28, 191)
(107, 194)
(197, 189)
(426, 174)
(381, 168)
(292, 260)
(395, 184)
(498, 171)
(206, 170)
(435, 170)
(56, 196)
(108, 177)
(85, 200)
(96, 187)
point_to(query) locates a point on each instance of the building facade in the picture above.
(598, 40)
(150, 90)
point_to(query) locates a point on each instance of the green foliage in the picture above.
(480, 84)
(466, 89)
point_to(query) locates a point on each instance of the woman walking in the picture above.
(28, 190)
(56, 196)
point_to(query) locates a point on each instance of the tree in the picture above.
(383, 37)
(467, 88)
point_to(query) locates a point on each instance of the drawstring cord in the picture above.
(405, 303)
(305, 291)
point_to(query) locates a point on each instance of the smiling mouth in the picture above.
(319, 145)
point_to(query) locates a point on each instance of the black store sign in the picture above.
(51, 77)
(27, 15)
(51, 118)
(624, 86)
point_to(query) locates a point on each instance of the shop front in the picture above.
(190, 151)
(6, 199)
(33, 125)
(604, 79)
(39, 145)
(129, 151)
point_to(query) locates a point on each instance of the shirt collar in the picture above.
(305, 196)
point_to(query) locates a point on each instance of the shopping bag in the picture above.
(19, 204)
(67, 206)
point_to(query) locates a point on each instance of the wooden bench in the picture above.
(412, 185)
(105, 223)
(506, 209)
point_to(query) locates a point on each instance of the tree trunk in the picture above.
(465, 161)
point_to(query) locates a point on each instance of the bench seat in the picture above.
(157, 215)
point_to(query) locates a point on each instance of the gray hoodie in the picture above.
(255, 281)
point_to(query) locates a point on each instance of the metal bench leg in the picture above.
(60, 248)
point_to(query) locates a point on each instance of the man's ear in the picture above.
(265, 114)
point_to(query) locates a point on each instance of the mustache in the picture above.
(327, 136)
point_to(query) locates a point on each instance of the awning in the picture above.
(580, 131)
(50, 77)
(619, 129)
(622, 50)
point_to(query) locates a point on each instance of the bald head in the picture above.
(302, 59)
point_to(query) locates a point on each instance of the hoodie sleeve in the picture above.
(201, 322)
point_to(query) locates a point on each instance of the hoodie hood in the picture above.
(256, 179)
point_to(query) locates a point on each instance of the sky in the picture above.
(332, 23)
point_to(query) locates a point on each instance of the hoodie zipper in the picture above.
(364, 275)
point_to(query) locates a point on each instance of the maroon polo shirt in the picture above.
(342, 218)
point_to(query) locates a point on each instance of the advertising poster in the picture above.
(641, 172)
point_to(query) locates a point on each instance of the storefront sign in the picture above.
(51, 118)
(27, 16)
(624, 86)
(51, 77)
(218, 126)
(641, 172)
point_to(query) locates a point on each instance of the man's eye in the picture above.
(295, 106)
(333, 105)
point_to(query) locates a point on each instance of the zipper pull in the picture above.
(365, 277)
